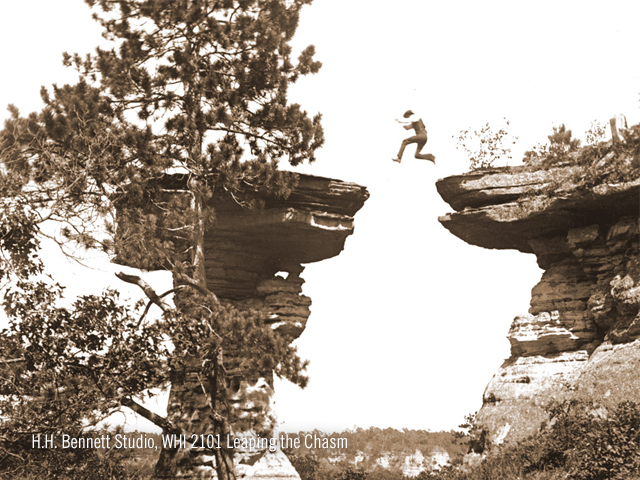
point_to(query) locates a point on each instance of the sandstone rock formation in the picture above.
(254, 259)
(581, 336)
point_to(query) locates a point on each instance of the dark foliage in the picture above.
(581, 441)
(556, 152)
(198, 87)
(19, 461)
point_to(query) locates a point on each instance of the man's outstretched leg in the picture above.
(426, 156)
(405, 142)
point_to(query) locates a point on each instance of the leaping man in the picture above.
(411, 120)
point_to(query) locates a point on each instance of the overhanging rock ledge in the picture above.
(254, 259)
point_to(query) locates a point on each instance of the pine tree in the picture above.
(195, 87)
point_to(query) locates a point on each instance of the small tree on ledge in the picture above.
(486, 146)
(557, 152)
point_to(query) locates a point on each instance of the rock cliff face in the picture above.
(581, 334)
(253, 260)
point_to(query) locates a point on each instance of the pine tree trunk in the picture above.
(197, 256)
(225, 467)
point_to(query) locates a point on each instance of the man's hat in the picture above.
(408, 113)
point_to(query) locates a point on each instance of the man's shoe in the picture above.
(396, 160)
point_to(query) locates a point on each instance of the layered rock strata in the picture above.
(579, 337)
(254, 259)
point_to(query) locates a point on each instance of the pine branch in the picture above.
(146, 288)
(12, 360)
(162, 422)
(151, 302)
(187, 280)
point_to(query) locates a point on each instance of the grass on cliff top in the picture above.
(572, 167)
(576, 168)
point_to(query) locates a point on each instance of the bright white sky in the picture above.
(408, 324)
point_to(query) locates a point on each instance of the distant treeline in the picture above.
(377, 442)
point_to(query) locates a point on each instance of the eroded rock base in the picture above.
(580, 337)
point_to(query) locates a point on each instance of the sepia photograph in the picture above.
(319, 240)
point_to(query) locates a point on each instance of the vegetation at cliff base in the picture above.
(582, 440)
(20, 461)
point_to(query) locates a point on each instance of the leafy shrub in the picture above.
(581, 441)
(596, 444)
(18, 460)
(486, 146)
